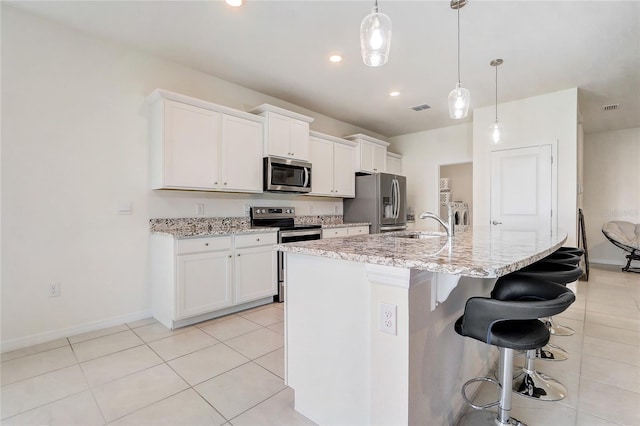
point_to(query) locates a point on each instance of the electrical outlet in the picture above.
(54, 290)
(247, 209)
(199, 209)
(388, 318)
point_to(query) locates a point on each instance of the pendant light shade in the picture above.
(459, 98)
(375, 38)
(496, 129)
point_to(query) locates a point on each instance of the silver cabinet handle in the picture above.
(495, 222)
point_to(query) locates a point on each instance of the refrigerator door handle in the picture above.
(396, 199)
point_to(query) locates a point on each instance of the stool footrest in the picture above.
(480, 379)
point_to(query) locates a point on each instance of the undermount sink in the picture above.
(419, 235)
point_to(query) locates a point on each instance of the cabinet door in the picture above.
(299, 142)
(204, 283)
(241, 154)
(379, 158)
(344, 178)
(278, 135)
(191, 142)
(366, 157)
(322, 167)
(255, 273)
(394, 166)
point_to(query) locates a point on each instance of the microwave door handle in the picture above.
(306, 177)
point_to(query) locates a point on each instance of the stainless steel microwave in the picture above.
(285, 175)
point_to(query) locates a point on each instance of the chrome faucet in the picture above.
(447, 227)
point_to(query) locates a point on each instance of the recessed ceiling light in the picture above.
(234, 3)
(335, 58)
(394, 93)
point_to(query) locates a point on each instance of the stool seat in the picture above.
(515, 334)
(556, 272)
(573, 250)
(564, 257)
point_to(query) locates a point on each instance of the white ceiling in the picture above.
(281, 48)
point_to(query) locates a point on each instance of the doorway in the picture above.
(456, 185)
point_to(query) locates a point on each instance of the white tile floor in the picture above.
(229, 371)
(602, 374)
(225, 371)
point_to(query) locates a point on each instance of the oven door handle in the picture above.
(285, 234)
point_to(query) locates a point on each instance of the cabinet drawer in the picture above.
(197, 245)
(335, 232)
(358, 230)
(251, 240)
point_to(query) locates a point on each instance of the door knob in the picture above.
(495, 222)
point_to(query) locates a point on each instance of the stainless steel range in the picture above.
(283, 218)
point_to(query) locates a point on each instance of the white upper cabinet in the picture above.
(332, 160)
(198, 145)
(371, 153)
(286, 132)
(394, 163)
(241, 155)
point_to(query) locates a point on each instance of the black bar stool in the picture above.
(567, 258)
(510, 325)
(529, 382)
(573, 250)
(558, 272)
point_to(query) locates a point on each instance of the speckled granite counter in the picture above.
(204, 227)
(479, 252)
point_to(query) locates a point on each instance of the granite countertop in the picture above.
(479, 252)
(343, 225)
(213, 232)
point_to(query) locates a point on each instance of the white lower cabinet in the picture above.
(196, 279)
(255, 267)
(204, 283)
(345, 231)
(358, 230)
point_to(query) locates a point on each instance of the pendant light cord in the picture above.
(375, 7)
(458, 42)
(496, 93)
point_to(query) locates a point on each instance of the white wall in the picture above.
(422, 155)
(611, 188)
(74, 146)
(549, 119)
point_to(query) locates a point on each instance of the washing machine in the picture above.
(460, 211)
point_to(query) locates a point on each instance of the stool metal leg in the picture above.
(557, 329)
(551, 352)
(489, 418)
(532, 384)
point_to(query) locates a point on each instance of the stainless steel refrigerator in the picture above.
(381, 199)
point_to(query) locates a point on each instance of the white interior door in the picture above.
(521, 188)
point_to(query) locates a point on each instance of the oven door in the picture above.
(283, 175)
(289, 237)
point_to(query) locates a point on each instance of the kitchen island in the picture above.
(369, 337)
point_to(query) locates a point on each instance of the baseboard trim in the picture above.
(35, 339)
(607, 262)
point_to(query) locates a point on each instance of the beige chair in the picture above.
(626, 236)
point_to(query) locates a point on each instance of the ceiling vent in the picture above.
(611, 107)
(420, 107)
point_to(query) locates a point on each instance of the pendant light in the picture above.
(496, 129)
(375, 38)
(459, 98)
